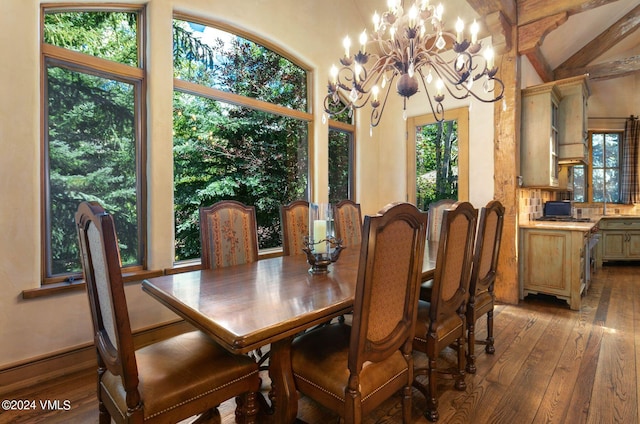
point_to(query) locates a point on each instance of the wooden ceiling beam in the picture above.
(533, 34)
(540, 64)
(500, 30)
(484, 8)
(624, 27)
(499, 18)
(605, 71)
(530, 38)
(532, 10)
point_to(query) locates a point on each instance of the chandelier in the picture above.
(406, 50)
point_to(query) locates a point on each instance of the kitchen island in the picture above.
(555, 259)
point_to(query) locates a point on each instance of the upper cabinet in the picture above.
(539, 141)
(573, 117)
(554, 131)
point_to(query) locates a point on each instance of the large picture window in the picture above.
(93, 82)
(241, 130)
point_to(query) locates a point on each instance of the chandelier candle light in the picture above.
(321, 246)
(406, 50)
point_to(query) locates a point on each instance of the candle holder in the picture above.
(320, 261)
(321, 246)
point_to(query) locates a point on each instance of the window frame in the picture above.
(588, 168)
(51, 55)
(195, 89)
(458, 114)
(350, 130)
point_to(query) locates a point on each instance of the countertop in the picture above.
(620, 217)
(573, 226)
(560, 225)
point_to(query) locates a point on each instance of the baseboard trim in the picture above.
(80, 358)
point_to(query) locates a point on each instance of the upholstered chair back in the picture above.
(453, 265)
(348, 222)
(435, 217)
(228, 234)
(100, 257)
(294, 218)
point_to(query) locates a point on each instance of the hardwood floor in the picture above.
(552, 365)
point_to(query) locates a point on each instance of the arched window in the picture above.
(241, 129)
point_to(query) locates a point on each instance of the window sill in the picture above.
(68, 287)
(131, 277)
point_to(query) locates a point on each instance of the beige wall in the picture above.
(39, 327)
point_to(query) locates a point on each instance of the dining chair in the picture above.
(483, 276)
(434, 223)
(442, 321)
(228, 234)
(167, 381)
(435, 217)
(352, 369)
(294, 219)
(348, 222)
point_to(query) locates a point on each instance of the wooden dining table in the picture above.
(246, 307)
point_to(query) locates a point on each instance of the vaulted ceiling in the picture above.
(561, 38)
(564, 38)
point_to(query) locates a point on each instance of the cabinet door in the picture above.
(547, 262)
(633, 245)
(613, 244)
(539, 132)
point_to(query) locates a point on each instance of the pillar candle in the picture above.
(320, 233)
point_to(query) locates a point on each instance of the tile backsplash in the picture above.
(531, 203)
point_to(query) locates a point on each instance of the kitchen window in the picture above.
(599, 181)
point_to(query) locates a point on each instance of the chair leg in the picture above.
(460, 384)
(104, 417)
(471, 341)
(246, 408)
(406, 404)
(432, 398)
(489, 348)
(352, 407)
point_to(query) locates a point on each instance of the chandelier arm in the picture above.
(376, 113)
(438, 111)
(328, 101)
(447, 76)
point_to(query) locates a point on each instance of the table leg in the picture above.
(284, 397)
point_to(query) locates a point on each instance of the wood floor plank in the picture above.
(558, 394)
(578, 407)
(507, 328)
(532, 378)
(616, 400)
(636, 332)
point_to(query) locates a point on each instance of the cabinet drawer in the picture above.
(627, 224)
